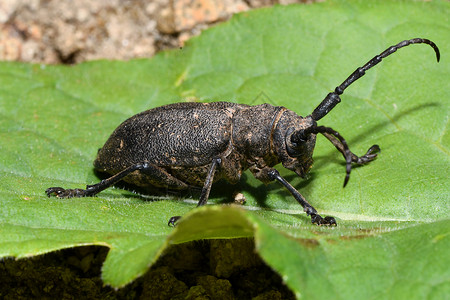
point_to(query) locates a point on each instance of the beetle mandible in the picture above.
(181, 145)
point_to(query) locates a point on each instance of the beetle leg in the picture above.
(310, 211)
(92, 190)
(208, 182)
(360, 160)
(204, 195)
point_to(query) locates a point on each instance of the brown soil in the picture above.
(216, 269)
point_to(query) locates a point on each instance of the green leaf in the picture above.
(393, 216)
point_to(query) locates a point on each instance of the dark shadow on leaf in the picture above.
(146, 194)
(222, 192)
(395, 119)
(225, 191)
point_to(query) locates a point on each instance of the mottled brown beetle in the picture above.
(194, 144)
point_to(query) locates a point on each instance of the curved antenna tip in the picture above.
(434, 46)
(436, 49)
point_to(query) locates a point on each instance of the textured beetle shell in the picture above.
(174, 135)
(183, 138)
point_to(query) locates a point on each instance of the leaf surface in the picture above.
(393, 215)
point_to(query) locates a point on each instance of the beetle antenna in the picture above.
(332, 99)
(302, 135)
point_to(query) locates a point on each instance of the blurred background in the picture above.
(68, 32)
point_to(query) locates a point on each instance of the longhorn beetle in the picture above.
(181, 145)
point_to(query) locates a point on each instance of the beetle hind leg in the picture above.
(149, 169)
(60, 192)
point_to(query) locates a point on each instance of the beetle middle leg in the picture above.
(310, 211)
(204, 195)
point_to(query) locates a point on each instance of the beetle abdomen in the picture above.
(186, 135)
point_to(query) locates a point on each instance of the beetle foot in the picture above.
(369, 156)
(59, 192)
(318, 220)
(173, 221)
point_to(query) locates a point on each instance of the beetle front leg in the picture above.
(310, 211)
(370, 155)
(204, 195)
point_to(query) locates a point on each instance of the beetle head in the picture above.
(300, 150)
(295, 155)
(295, 139)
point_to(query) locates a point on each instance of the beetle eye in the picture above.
(299, 137)
(295, 146)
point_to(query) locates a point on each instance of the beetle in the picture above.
(183, 145)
